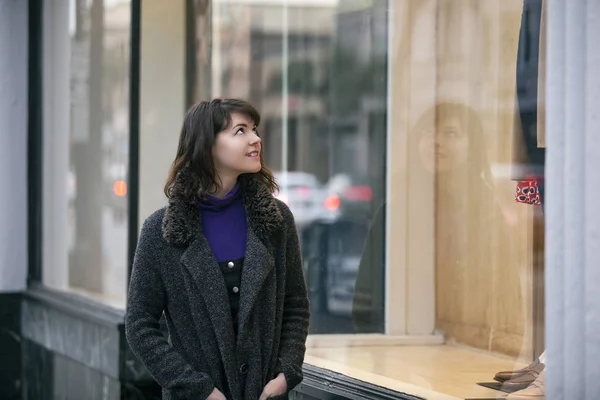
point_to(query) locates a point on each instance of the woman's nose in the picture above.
(254, 139)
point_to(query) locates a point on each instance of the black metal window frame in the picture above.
(134, 131)
(35, 141)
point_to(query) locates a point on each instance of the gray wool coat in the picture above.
(176, 273)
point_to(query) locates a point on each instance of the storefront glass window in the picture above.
(316, 70)
(408, 141)
(86, 147)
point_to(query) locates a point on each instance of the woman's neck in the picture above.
(227, 184)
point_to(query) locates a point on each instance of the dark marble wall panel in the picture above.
(88, 342)
(10, 347)
(49, 376)
(38, 370)
(74, 381)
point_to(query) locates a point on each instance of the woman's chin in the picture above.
(252, 169)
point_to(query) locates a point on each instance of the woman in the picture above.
(447, 149)
(222, 262)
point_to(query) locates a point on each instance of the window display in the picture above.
(465, 255)
(405, 139)
(529, 143)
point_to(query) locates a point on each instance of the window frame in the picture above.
(38, 24)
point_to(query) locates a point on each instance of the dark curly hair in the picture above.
(201, 125)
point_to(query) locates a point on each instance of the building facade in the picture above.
(412, 140)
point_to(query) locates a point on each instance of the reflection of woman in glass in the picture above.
(446, 142)
(222, 262)
(457, 129)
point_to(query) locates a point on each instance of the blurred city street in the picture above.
(114, 251)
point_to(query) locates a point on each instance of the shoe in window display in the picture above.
(508, 375)
(523, 381)
(535, 391)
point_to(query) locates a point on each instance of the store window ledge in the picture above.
(360, 340)
(325, 384)
(444, 372)
(75, 327)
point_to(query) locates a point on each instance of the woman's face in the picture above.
(447, 147)
(237, 149)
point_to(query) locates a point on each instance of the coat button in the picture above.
(236, 289)
(230, 264)
(244, 369)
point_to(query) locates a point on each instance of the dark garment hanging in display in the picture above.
(529, 153)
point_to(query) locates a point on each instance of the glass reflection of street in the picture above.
(317, 71)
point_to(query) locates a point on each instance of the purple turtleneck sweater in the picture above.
(224, 225)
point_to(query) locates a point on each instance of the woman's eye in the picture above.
(256, 132)
(241, 130)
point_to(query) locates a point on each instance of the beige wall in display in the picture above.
(411, 271)
(456, 234)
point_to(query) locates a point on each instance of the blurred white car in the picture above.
(303, 193)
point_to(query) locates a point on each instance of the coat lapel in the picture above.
(200, 263)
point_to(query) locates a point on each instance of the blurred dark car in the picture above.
(332, 251)
(349, 196)
(332, 244)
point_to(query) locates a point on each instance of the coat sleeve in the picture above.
(145, 305)
(296, 310)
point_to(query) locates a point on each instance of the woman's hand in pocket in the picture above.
(275, 387)
(216, 395)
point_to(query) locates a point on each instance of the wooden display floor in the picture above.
(433, 372)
